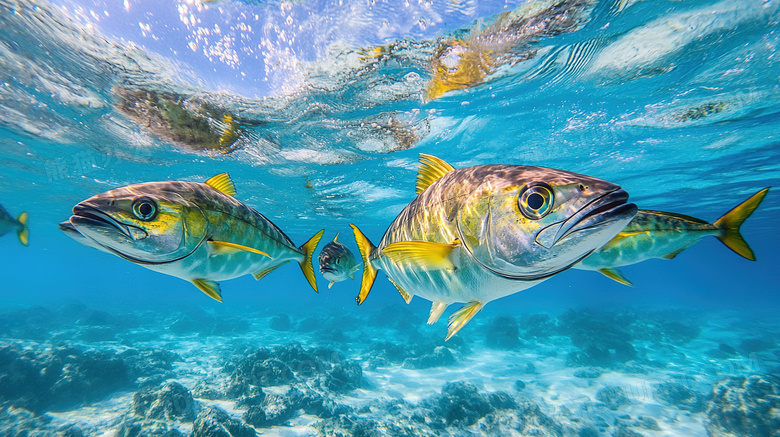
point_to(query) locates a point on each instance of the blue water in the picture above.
(674, 101)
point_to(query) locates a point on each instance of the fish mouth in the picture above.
(327, 269)
(93, 218)
(603, 211)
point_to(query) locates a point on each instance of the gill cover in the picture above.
(525, 226)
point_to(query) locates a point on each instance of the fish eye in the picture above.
(536, 201)
(144, 208)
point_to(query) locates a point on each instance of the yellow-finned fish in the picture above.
(337, 263)
(476, 234)
(8, 223)
(656, 234)
(195, 231)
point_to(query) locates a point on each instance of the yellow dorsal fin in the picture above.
(222, 182)
(459, 319)
(336, 238)
(427, 254)
(615, 275)
(211, 288)
(224, 247)
(261, 274)
(432, 170)
(437, 309)
(404, 294)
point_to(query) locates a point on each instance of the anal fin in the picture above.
(261, 274)
(673, 254)
(407, 297)
(459, 319)
(616, 275)
(211, 288)
(437, 309)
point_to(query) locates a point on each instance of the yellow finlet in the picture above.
(616, 275)
(225, 247)
(459, 319)
(211, 288)
(222, 182)
(730, 223)
(331, 284)
(404, 294)
(261, 274)
(23, 233)
(427, 254)
(336, 238)
(437, 309)
(432, 170)
(308, 249)
(369, 272)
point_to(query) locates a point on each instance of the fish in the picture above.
(476, 234)
(8, 223)
(658, 234)
(337, 263)
(195, 231)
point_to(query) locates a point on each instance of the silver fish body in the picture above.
(337, 263)
(658, 234)
(190, 230)
(477, 234)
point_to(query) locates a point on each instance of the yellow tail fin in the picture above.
(23, 231)
(731, 221)
(369, 272)
(308, 249)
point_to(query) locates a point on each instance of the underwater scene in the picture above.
(233, 218)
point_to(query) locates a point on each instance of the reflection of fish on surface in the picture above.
(195, 231)
(337, 263)
(165, 114)
(8, 223)
(480, 233)
(656, 234)
(466, 61)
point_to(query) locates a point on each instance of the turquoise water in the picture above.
(319, 110)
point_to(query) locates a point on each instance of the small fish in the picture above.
(480, 233)
(195, 231)
(337, 262)
(656, 234)
(8, 224)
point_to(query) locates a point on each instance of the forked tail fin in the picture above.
(22, 233)
(369, 272)
(730, 223)
(308, 249)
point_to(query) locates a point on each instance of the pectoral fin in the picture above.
(211, 288)
(427, 254)
(261, 274)
(437, 309)
(459, 319)
(225, 247)
(616, 275)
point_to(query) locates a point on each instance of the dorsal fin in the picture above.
(336, 238)
(432, 170)
(222, 182)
